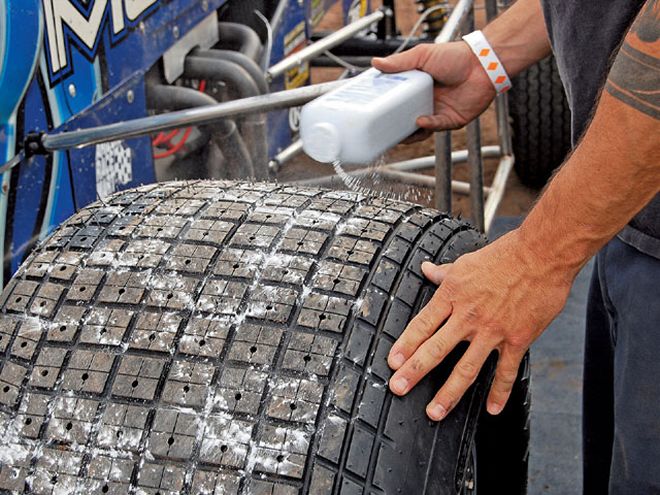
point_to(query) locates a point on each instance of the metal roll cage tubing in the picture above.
(462, 16)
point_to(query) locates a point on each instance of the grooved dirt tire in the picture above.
(219, 337)
(541, 122)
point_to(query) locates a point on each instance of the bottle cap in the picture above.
(322, 142)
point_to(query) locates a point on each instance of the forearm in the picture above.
(615, 170)
(612, 175)
(519, 36)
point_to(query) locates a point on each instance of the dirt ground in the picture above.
(518, 199)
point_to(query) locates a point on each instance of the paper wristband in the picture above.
(488, 59)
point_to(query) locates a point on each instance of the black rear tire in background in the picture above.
(221, 337)
(540, 121)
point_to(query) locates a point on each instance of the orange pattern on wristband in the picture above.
(489, 60)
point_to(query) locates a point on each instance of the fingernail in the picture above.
(437, 412)
(494, 408)
(397, 360)
(399, 385)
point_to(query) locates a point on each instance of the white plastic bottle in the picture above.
(359, 121)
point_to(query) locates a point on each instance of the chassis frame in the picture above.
(484, 200)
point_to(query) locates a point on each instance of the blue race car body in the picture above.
(70, 64)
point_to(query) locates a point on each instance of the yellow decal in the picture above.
(357, 10)
(318, 11)
(295, 41)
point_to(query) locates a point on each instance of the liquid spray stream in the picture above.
(371, 181)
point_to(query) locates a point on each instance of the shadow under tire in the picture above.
(223, 337)
(503, 442)
(540, 121)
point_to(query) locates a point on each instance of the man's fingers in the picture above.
(417, 136)
(435, 122)
(408, 60)
(435, 273)
(425, 358)
(425, 323)
(418, 330)
(464, 373)
(505, 376)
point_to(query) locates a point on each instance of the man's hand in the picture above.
(504, 295)
(499, 298)
(463, 90)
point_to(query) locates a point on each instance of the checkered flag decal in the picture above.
(114, 167)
